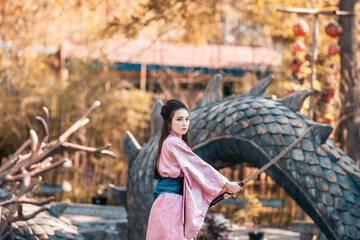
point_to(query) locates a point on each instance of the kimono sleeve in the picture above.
(202, 183)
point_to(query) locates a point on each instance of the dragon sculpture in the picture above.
(318, 175)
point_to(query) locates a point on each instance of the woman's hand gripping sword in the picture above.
(263, 168)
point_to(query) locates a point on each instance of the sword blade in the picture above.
(280, 155)
(266, 166)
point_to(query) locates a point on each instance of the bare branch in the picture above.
(31, 201)
(78, 124)
(28, 185)
(22, 167)
(8, 202)
(22, 163)
(105, 147)
(32, 215)
(8, 165)
(34, 141)
(37, 202)
(24, 189)
(41, 168)
(14, 158)
(15, 187)
(44, 163)
(46, 114)
(45, 129)
(25, 145)
(96, 104)
(38, 171)
(20, 210)
(90, 149)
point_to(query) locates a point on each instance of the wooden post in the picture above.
(262, 189)
(77, 169)
(64, 72)
(143, 76)
(314, 53)
(349, 87)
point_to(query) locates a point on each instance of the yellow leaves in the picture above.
(42, 66)
(259, 4)
(56, 4)
(251, 212)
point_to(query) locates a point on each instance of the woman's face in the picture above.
(180, 122)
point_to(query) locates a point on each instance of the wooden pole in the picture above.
(314, 53)
(143, 76)
(349, 87)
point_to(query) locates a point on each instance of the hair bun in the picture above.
(163, 115)
(165, 111)
(169, 107)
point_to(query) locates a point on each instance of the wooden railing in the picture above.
(278, 207)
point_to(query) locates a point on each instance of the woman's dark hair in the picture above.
(167, 113)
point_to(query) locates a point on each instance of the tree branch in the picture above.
(79, 123)
(45, 129)
(23, 191)
(46, 114)
(29, 201)
(32, 215)
(34, 141)
(22, 168)
(90, 149)
(14, 158)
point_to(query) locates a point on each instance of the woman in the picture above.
(186, 183)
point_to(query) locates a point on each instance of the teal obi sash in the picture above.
(171, 185)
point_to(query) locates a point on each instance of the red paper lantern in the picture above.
(325, 120)
(334, 49)
(295, 66)
(298, 46)
(300, 28)
(317, 62)
(290, 92)
(327, 95)
(333, 29)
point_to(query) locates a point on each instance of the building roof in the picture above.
(175, 55)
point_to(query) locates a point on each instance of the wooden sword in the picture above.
(266, 166)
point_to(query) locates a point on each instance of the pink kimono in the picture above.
(180, 217)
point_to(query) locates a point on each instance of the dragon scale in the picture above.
(318, 175)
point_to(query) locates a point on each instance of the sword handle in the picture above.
(221, 196)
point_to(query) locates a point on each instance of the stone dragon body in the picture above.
(318, 175)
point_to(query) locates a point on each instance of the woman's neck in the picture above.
(172, 132)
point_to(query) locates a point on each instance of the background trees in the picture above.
(349, 87)
(32, 32)
(258, 23)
